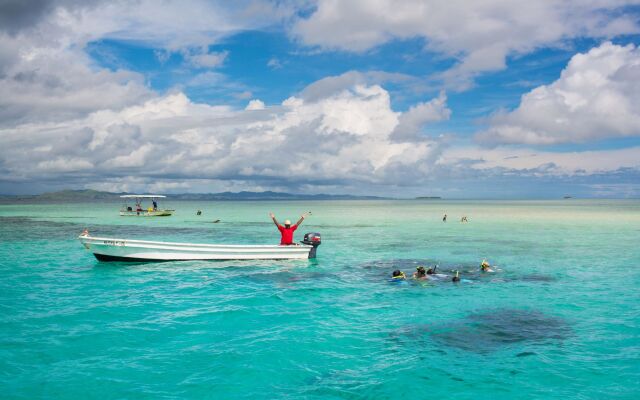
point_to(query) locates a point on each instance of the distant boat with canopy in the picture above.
(138, 210)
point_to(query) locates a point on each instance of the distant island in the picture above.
(81, 196)
(429, 198)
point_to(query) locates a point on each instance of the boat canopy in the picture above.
(141, 196)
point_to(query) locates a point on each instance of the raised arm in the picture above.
(273, 217)
(302, 218)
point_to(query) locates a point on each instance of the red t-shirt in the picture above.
(287, 233)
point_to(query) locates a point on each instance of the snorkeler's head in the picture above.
(421, 271)
(397, 274)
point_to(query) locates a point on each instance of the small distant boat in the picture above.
(139, 211)
(567, 197)
(112, 249)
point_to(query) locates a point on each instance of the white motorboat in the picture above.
(139, 211)
(111, 249)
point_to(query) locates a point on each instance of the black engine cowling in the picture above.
(312, 239)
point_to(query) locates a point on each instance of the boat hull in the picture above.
(110, 249)
(147, 213)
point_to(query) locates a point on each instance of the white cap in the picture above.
(287, 222)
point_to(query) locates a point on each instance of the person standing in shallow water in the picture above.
(444, 218)
(287, 230)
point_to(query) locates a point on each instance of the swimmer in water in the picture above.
(485, 267)
(432, 271)
(456, 278)
(420, 274)
(398, 275)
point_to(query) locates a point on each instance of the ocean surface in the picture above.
(559, 319)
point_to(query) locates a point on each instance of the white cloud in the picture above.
(45, 73)
(175, 25)
(61, 164)
(274, 63)
(208, 78)
(57, 84)
(342, 137)
(204, 59)
(255, 104)
(543, 163)
(412, 121)
(136, 158)
(65, 119)
(596, 97)
(332, 84)
(244, 95)
(615, 190)
(481, 34)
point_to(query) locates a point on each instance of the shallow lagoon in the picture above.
(558, 320)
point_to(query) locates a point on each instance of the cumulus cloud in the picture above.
(412, 121)
(542, 163)
(505, 172)
(175, 25)
(342, 137)
(50, 84)
(596, 97)
(331, 84)
(481, 34)
(46, 75)
(255, 104)
(48, 27)
(64, 119)
(16, 14)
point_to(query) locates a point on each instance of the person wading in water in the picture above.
(286, 230)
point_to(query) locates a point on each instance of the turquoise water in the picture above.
(559, 319)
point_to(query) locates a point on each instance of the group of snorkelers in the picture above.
(422, 274)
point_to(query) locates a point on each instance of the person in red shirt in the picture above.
(287, 230)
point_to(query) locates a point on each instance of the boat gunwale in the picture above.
(147, 213)
(84, 239)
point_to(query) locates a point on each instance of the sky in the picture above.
(400, 98)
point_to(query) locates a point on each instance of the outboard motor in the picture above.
(312, 239)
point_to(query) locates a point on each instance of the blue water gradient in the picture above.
(559, 318)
